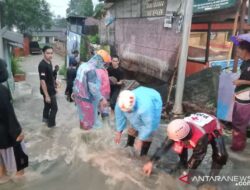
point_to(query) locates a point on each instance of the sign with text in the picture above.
(153, 8)
(212, 5)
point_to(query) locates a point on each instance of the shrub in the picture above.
(94, 39)
(84, 49)
(63, 70)
(15, 66)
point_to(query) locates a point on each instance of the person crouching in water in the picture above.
(193, 132)
(142, 108)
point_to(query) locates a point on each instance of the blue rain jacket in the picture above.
(146, 114)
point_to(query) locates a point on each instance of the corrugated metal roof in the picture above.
(47, 33)
(15, 44)
(52, 32)
(13, 36)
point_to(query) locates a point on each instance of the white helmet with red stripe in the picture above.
(178, 129)
(126, 100)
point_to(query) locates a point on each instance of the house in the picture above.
(91, 26)
(146, 35)
(49, 36)
(212, 27)
(8, 40)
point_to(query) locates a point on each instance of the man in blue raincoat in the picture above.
(142, 108)
(87, 91)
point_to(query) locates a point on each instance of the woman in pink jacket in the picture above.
(104, 87)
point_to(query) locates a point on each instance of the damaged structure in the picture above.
(146, 35)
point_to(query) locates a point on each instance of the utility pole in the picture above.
(178, 110)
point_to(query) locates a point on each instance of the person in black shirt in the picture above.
(11, 135)
(115, 72)
(47, 87)
(71, 75)
(74, 59)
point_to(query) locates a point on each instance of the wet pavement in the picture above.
(69, 158)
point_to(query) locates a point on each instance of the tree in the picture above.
(28, 15)
(80, 8)
(60, 21)
(99, 11)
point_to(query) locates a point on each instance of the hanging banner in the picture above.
(212, 5)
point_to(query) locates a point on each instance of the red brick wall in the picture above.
(26, 47)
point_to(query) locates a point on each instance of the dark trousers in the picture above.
(113, 96)
(69, 91)
(50, 110)
(219, 156)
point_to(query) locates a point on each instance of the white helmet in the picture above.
(178, 129)
(126, 100)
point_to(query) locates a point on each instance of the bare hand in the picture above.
(118, 136)
(119, 83)
(147, 168)
(103, 103)
(20, 137)
(47, 99)
(138, 145)
(237, 82)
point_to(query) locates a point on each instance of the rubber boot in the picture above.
(145, 148)
(130, 141)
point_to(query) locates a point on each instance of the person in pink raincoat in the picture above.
(87, 90)
(105, 88)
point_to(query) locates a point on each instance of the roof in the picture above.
(53, 31)
(73, 19)
(90, 21)
(11, 36)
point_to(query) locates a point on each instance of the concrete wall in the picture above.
(145, 46)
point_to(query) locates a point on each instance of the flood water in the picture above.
(67, 158)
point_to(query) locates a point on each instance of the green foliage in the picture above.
(94, 39)
(99, 11)
(63, 70)
(28, 15)
(60, 22)
(84, 49)
(16, 66)
(80, 8)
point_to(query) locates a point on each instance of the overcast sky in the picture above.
(59, 7)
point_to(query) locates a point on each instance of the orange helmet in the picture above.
(105, 55)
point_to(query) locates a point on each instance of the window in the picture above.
(197, 46)
(219, 46)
